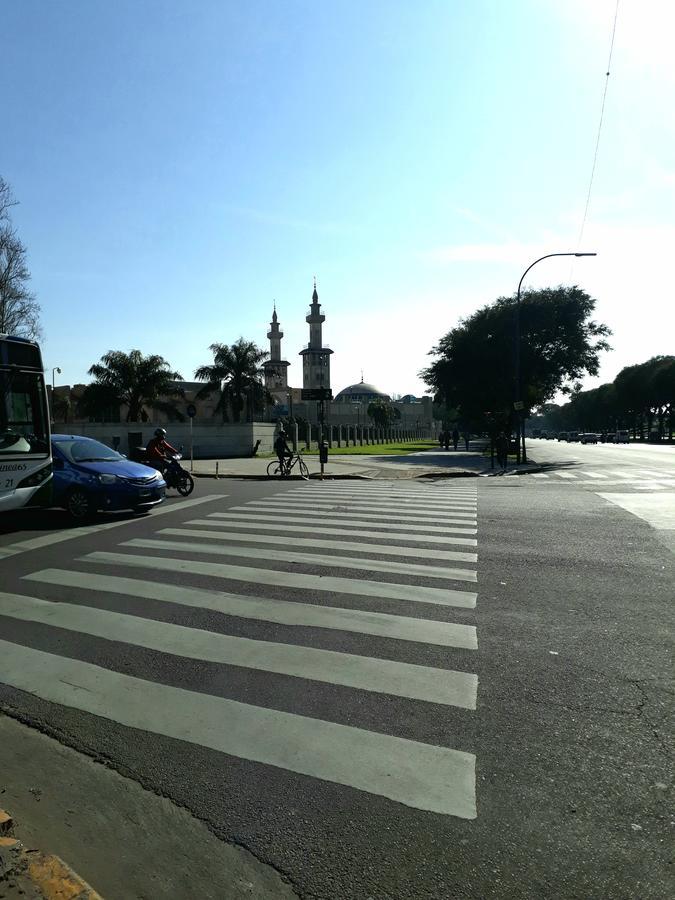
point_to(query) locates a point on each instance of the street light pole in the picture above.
(519, 405)
(55, 369)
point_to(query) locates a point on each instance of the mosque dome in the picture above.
(361, 393)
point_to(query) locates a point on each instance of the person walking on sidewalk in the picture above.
(502, 447)
(455, 438)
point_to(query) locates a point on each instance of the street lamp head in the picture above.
(585, 254)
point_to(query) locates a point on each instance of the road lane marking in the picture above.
(422, 502)
(356, 547)
(376, 502)
(408, 536)
(344, 520)
(389, 567)
(564, 475)
(382, 676)
(47, 540)
(593, 475)
(376, 512)
(620, 473)
(282, 612)
(539, 475)
(353, 586)
(389, 491)
(656, 509)
(423, 776)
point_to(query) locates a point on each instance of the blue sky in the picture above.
(180, 165)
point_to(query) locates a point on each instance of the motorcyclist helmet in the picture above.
(160, 432)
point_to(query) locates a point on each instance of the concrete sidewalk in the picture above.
(429, 463)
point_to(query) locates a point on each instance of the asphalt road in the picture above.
(314, 672)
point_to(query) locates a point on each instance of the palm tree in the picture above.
(135, 381)
(235, 375)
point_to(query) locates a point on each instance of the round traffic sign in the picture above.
(191, 410)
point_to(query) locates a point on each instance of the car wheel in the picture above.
(79, 505)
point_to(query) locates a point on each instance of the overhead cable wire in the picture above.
(597, 140)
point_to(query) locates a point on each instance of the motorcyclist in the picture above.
(159, 451)
(281, 447)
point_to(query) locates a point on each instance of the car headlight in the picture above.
(106, 479)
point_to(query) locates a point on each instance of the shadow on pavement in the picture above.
(33, 520)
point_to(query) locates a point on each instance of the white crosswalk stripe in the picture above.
(282, 539)
(313, 559)
(384, 676)
(539, 475)
(346, 520)
(369, 510)
(260, 524)
(278, 545)
(565, 475)
(316, 583)
(424, 776)
(594, 475)
(283, 612)
(424, 503)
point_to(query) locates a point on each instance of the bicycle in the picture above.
(285, 468)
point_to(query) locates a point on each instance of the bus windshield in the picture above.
(24, 423)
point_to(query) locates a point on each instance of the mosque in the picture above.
(349, 406)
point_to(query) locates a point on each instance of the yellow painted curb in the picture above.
(5, 822)
(57, 881)
(53, 878)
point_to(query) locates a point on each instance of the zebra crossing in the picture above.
(638, 479)
(385, 562)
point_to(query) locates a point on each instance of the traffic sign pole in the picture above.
(192, 412)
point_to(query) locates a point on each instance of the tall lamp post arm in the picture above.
(521, 420)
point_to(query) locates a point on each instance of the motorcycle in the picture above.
(176, 476)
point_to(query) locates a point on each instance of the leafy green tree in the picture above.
(236, 377)
(474, 369)
(383, 414)
(140, 383)
(646, 393)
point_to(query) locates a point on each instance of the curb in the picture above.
(45, 872)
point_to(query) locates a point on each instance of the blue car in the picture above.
(88, 476)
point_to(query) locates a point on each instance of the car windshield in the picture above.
(79, 451)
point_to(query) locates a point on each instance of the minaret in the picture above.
(276, 376)
(315, 357)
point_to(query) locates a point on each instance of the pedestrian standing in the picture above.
(502, 446)
(441, 439)
(455, 438)
(466, 441)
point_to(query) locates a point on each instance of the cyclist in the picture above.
(282, 449)
(159, 451)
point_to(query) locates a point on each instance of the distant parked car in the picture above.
(588, 437)
(544, 435)
(563, 436)
(573, 436)
(621, 437)
(88, 476)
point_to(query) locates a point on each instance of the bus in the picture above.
(25, 445)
